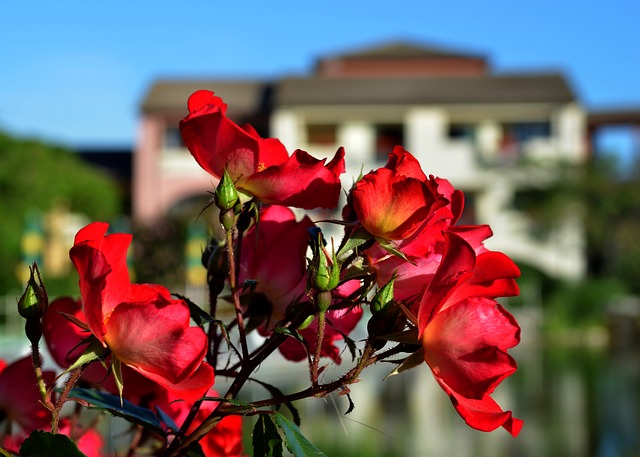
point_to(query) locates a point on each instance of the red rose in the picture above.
(261, 167)
(395, 201)
(465, 333)
(141, 324)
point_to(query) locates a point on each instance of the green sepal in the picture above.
(392, 248)
(226, 195)
(34, 301)
(383, 296)
(414, 360)
(116, 367)
(94, 351)
(406, 336)
(357, 238)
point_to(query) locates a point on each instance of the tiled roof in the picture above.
(250, 97)
(242, 97)
(403, 49)
(527, 88)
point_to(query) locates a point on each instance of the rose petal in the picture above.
(465, 345)
(302, 181)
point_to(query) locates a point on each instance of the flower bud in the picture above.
(34, 301)
(383, 297)
(324, 277)
(386, 318)
(226, 194)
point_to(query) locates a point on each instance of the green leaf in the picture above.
(4, 453)
(127, 410)
(45, 444)
(297, 444)
(358, 238)
(266, 441)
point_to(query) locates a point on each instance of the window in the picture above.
(322, 134)
(172, 138)
(524, 131)
(462, 131)
(388, 136)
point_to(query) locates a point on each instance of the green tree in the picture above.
(34, 177)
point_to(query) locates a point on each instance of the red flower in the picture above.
(142, 325)
(259, 166)
(273, 255)
(89, 441)
(20, 397)
(224, 440)
(465, 333)
(395, 201)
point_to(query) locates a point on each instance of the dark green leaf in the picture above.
(266, 441)
(45, 444)
(111, 403)
(167, 420)
(297, 444)
(195, 450)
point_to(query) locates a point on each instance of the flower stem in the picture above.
(322, 320)
(55, 414)
(42, 388)
(236, 293)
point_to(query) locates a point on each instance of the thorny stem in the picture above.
(233, 283)
(248, 367)
(322, 319)
(320, 390)
(55, 414)
(42, 388)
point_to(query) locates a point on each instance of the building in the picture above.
(494, 136)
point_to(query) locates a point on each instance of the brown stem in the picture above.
(55, 414)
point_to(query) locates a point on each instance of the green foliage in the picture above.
(583, 303)
(609, 206)
(267, 442)
(36, 177)
(127, 410)
(45, 444)
(159, 251)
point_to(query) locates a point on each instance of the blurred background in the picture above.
(532, 109)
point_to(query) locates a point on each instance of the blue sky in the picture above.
(74, 72)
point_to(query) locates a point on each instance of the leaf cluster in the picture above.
(34, 177)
